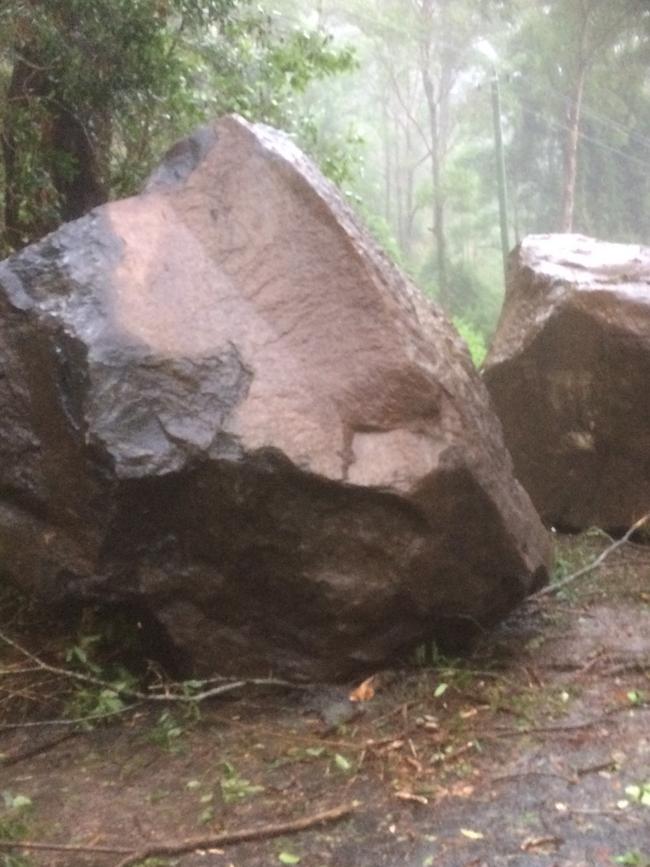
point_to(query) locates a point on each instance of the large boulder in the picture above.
(222, 406)
(569, 375)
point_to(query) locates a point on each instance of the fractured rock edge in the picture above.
(195, 498)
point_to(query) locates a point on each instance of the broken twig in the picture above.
(591, 567)
(185, 697)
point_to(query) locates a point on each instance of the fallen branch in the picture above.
(172, 848)
(184, 697)
(567, 727)
(82, 720)
(33, 846)
(32, 752)
(591, 567)
(520, 775)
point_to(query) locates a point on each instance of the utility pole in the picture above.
(501, 170)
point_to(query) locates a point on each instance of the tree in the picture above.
(94, 90)
(572, 41)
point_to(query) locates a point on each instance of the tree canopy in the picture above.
(92, 91)
(575, 92)
(392, 97)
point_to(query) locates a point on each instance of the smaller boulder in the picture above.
(569, 375)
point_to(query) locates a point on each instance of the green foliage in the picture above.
(382, 234)
(87, 699)
(338, 156)
(289, 858)
(633, 859)
(167, 732)
(12, 860)
(235, 788)
(342, 764)
(14, 825)
(639, 793)
(429, 655)
(473, 338)
(128, 77)
(17, 803)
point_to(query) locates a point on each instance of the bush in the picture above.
(473, 338)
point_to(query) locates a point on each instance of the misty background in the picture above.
(408, 132)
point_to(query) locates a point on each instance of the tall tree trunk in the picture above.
(408, 205)
(64, 150)
(388, 165)
(12, 235)
(571, 150)
(438, 209)
(398, 187)
(76, 178)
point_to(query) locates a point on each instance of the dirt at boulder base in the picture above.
(534, 751)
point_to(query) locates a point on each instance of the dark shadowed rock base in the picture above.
(221, 405)
(569, 374)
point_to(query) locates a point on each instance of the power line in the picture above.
(588, 111)
(601, 118)
(586, 137)
(617, 126)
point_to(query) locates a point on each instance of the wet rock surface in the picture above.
(223, 407)
(568, 372)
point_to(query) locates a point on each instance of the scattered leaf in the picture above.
(415, 764)
(15, 802)
(288, 858)
(365, 691)
(21, 801)
(640, 793)
(440, 690)
(342, 763)
(468, 714)
(472, 835)
(428, 862)
(633, 859)
(192, 784)
(410, 796)
(462, 790)
(541, 843)
(206, 815)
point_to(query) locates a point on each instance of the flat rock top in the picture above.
(546, 273)
(586, 262)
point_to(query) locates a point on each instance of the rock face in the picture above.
(569, 374)
(221, 405)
